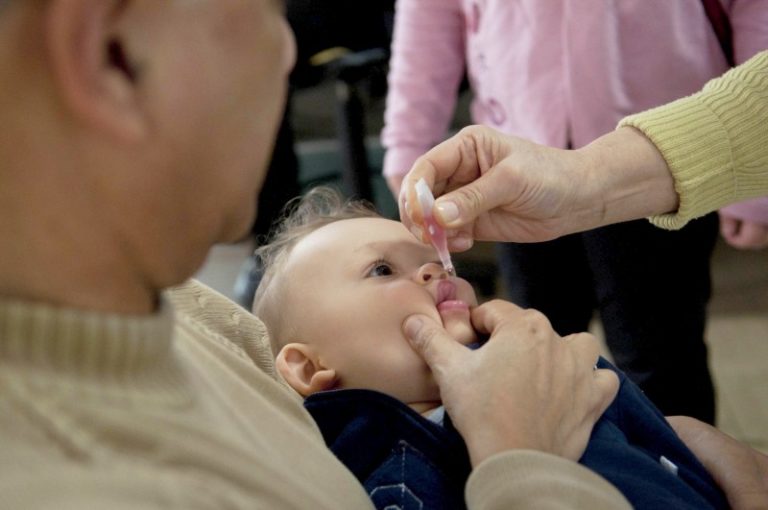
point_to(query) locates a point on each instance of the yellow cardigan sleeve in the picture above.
(715, 142)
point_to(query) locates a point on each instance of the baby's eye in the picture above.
(381, 268)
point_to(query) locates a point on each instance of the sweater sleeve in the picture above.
(425, 71)
(538, 481)
(714, 142)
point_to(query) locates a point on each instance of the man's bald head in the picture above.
(136, 135)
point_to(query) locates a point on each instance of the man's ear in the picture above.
(91, 66)
(299, 366)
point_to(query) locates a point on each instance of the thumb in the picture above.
(462, 205)
(433, 344)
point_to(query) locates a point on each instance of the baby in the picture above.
(339, 280)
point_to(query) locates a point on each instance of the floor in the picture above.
(738, 340)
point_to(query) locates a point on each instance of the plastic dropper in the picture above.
(435, 232)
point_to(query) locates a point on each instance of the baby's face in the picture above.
(352, 283)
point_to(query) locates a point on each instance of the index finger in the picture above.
(448, 165)
(488, 316)
(408, 203)
(533, 327)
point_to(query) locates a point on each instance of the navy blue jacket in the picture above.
(407, 461)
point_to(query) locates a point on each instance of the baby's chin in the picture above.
(460, 330)
(456, 321)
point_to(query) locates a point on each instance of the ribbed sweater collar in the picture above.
(121, 355)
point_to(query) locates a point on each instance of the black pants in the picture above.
(651, 288)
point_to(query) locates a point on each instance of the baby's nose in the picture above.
(431, 271)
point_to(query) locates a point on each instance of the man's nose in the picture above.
(431, 271)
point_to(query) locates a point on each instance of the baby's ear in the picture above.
(299, 366)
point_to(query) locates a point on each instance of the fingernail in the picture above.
(412, 327)
(460, 243)
(447, 211)
(408, 209)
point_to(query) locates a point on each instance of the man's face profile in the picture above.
(141, 133)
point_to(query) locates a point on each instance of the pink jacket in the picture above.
(553, 71)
